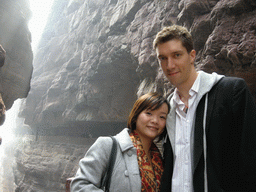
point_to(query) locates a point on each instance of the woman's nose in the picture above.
(154, 119)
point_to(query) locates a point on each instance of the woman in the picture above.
(138, 165)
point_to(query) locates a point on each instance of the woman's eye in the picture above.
(163, 117)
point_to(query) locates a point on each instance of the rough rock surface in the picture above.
(45, 166)
(16, 40)
(95, 57)
(15, 74)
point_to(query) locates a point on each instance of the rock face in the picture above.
(45, 166)
(16, 40)
(15, 74)
(95, 57)
(230, 44)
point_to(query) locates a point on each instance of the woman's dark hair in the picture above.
(150, 101)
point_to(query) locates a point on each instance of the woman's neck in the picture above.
(146, 143)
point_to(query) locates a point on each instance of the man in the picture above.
(211, 140)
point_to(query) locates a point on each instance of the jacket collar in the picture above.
(207, 81)
(124, 140)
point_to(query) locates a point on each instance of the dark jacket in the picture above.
(231, 140)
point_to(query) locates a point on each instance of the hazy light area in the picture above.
(7, 128)
(40, 11)
(7, 148)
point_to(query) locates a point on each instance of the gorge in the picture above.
(94, 59)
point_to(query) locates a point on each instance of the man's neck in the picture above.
(183, 90)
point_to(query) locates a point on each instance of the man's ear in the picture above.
(192, 55)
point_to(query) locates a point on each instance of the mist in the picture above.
(10, 142)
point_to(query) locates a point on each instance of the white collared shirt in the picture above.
(182, 180)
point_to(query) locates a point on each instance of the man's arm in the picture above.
(244, 109)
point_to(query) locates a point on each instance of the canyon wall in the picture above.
(15, 74)
(16, 40)
(96, 57)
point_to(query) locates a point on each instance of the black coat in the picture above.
(231, 140)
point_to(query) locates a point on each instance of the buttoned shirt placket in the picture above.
(182, 174)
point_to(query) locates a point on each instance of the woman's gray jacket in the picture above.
(92, 168)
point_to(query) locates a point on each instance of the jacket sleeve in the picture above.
(244, 110)
(92, 167)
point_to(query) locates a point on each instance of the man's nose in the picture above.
(170, 63)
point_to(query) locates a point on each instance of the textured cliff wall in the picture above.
(84, 69)
(95, 57)
(45, 166)
(15, 39)
(16, 72)
(228, 42)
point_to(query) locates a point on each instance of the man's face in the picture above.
(177, 64)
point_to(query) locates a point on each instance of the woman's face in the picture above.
(150, 123)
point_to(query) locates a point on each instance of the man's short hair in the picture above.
(174, 32)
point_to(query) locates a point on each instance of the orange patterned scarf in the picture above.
(150, 175)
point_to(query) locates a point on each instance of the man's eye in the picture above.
(162, 58)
